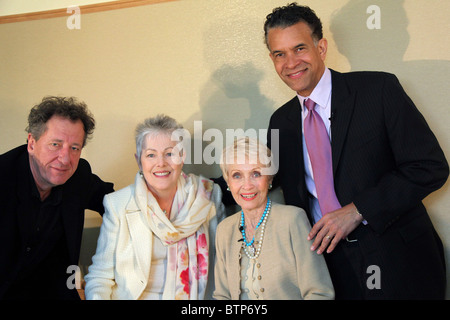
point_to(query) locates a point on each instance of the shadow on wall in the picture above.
(231, 99)
(383, 49)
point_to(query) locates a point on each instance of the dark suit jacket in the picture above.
(83, 190)
(386, 161)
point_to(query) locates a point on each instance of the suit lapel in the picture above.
(294, 125)
(295, 119)
(141, 236)
(24, 210)
(342, 105)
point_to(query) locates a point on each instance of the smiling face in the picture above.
(161, 163)
(248, 186)
(297, 59)
(55, 156)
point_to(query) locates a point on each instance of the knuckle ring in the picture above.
(328, 237)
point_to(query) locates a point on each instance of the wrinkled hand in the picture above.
(333, 227)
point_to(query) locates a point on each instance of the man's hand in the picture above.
(333, 227)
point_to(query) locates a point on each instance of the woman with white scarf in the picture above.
(157, 236)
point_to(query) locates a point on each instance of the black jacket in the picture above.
(84, 190)
(386, 160)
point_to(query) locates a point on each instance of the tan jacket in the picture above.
(289, 269)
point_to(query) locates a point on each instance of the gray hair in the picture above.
(161, 124)
(247, 148)
(65, 107)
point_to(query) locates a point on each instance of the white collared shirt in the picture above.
(321, 95)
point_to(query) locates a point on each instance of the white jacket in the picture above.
(121, 264)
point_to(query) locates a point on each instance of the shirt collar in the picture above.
(322, 92)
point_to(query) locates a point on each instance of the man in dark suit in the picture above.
(45, 188)
(380, 242)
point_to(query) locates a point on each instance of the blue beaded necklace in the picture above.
(259, 223)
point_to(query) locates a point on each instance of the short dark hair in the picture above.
(283, 17)
(66, 107)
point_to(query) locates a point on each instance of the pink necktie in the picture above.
(319, 150)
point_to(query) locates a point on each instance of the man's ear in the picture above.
(323, 47)
(30, 143)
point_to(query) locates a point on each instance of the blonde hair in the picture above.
(247, 150)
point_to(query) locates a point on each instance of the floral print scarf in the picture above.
(186, 237)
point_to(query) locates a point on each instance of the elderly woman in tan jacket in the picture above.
(262, 251)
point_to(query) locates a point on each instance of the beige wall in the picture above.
(205, 60)
(27, 6)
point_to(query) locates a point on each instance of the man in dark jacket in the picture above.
(379, 242)
(45, 188)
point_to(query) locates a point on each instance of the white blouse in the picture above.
(157, 277)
